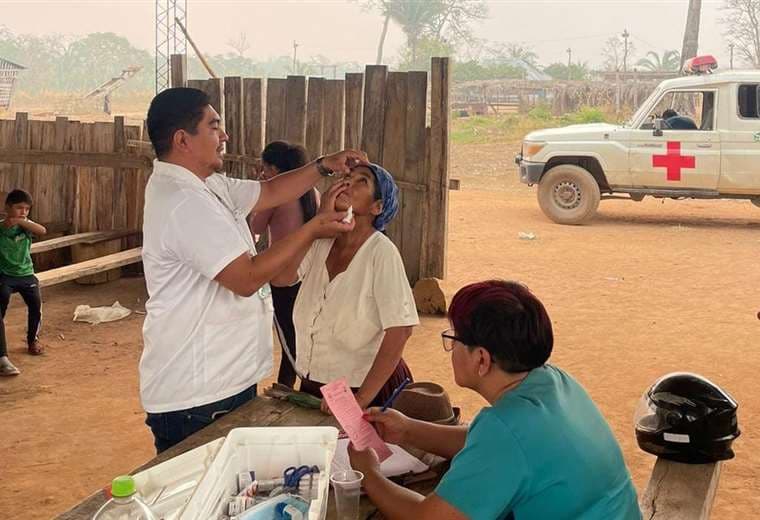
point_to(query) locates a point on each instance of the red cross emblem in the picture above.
(673, 161)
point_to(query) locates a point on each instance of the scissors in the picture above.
(292, 476)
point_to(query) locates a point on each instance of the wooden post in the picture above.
(438, 174)
(253, 113)
(315, 113)
(119, 181)
(233, 122)
(178, 63)
(214, 87)
(394, 146)
(414, 213)
(295, 110)
(20, 142)
(680, 491)
(353, 107)
(334, 116)
(276, 95)
(373, 122)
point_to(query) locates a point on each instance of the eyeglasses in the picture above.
(448, 339)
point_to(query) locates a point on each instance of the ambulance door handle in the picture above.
(704, 145)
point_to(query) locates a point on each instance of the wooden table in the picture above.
(262, 411)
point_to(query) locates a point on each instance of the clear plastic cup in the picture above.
(347, 486)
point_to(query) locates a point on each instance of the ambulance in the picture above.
(695, 137)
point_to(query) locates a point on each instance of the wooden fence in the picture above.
(91, 176)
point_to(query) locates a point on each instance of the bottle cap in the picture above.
(123, 486)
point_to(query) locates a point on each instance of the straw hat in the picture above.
(427, 402)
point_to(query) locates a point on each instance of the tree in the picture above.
(614, 52)
(742, 22)
(509, 52)
(577, 71)
(240, 44)
(446, 21)
(418, 56)
(669, 61)
(691, 33)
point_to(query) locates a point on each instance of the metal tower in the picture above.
(169, 38)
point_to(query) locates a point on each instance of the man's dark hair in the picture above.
(174, 109)
(17, 197)
(669, 113)
(507, 320)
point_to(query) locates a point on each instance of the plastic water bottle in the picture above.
(125, 504)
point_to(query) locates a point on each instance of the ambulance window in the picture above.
(685, 110)
(748, 105)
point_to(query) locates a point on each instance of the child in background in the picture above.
(17, 272)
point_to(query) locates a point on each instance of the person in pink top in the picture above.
(280, 157)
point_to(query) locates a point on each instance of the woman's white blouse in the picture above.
(341, 324)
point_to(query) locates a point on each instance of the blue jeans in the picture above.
(170, 428)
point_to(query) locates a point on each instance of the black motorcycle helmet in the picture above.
(686, 418)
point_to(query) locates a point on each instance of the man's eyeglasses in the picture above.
(448, 339)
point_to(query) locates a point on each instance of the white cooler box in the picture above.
(208, 474)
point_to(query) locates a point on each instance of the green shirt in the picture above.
(543, 451)
(15, 251)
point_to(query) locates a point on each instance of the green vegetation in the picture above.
(510, 128)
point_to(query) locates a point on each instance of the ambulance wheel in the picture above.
(568, 194)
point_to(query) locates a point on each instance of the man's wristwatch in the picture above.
(323, 170)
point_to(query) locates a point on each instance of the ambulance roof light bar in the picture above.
(700, 65)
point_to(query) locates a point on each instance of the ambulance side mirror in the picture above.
(658, 126)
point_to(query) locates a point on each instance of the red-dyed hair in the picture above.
(506, 319)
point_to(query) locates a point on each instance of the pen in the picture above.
(395, 393)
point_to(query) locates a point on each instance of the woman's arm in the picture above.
(386, 361)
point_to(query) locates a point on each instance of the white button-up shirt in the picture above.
(340, 324)
(203, 343)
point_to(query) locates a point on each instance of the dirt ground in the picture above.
(646, 289)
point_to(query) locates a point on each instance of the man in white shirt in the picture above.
(208, 329)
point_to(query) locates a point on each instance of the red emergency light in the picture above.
(700, 65)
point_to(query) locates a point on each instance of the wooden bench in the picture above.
(89, 238)
(89, 267)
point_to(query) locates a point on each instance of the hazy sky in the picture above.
(340, 30)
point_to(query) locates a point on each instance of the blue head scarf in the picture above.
(388, 194)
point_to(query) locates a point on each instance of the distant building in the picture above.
(531, 72)
(8, 73)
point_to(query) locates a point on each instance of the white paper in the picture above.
(400, 463)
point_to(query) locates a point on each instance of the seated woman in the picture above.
(280, 157)
(355, 310)
(541, 450)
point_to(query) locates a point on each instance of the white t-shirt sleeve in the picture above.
(393, 295)
(199, 235)
(244, 193)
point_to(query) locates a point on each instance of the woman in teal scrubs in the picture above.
(541, 450)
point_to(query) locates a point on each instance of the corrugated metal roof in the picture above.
(9, 64)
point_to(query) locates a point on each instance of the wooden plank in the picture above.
(20, 142)
(214, 88)
(62, 179)
(89, 268)
(373, 122)
(354, 101)
(276, 94)
(119, 176)
(394, 147)
(178, 65)
(333, 138)
(91, 237)
(295, 110)
(414, 212)
(233, 113)
(7, 170)
(438, 174)
(315, 114)
(680, 491)
(253, 122)
(83, 158)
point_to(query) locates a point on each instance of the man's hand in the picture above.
(392, 425)
(365, 461)
(342, 162)
(328, 223)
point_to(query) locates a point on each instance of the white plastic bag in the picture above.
(95, 315)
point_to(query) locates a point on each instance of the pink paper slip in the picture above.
(349, 414)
